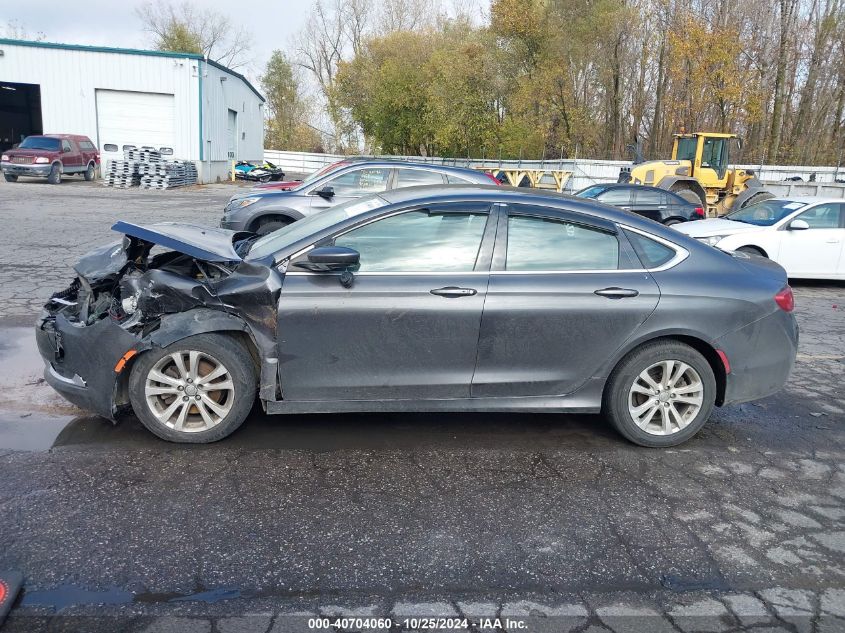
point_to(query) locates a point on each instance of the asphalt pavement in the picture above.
(547, 522)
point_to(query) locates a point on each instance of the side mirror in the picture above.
(330, 259)
(326, 192)
(798, 225)
(66, 150)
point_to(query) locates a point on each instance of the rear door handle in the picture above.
(454, 291)
(617, 293)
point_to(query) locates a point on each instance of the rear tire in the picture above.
(10, 177)
(89, 173)
(268, 226)
(180, 400)
(55, 176)
(674, 409)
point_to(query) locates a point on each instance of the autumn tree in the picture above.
(288, 110)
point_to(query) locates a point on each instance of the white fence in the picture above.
(584, 172)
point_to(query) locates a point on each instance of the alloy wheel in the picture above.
(189, 391)
(665, 397)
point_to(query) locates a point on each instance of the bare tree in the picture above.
(407, 15)
(186, 28)
(17, 30)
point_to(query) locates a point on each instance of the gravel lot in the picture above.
(552, 521)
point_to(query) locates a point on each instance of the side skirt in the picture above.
(576, 403)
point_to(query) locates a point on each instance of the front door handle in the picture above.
(454, 291)
(617, 293)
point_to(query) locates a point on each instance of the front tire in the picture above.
(270, 225)
(55, 176)
(10, 177)
(751, 250)
(197, 390)
(660, 394)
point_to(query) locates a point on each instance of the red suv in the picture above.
(49, 156)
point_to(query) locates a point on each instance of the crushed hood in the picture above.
(207, 243)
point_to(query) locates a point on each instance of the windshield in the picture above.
(766, 213)
(41, 142)
(591, 192)
(320, 173)
(292, 233)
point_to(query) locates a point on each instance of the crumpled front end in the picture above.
(88, 333)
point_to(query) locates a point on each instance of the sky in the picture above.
(114, 23)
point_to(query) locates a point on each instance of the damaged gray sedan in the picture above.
(466, 298)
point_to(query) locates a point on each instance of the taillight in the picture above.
(699, 211)
(97, 158)
(785, 299)
(492, 177)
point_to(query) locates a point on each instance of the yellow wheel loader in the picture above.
(699, 172)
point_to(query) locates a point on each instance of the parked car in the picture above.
(650, 202)
(804, 235)
(51, 156)
(463, 298)
(290, 184)
(264, 212)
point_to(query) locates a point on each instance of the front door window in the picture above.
(359, 182)
(418, 241)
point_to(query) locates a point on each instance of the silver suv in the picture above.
(264, 211)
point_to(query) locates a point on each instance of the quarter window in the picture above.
(412, 177)
(651, 253)
(823, 216)
(456, 180)
(547, 244)
(360, 182)
(418, 241)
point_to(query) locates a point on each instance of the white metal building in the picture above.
(197, 108)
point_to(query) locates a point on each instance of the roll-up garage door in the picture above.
(140, 119)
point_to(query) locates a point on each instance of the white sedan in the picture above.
(804, 235)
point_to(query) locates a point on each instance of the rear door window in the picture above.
(414, 177)
(618, 196)
(649, 197)
(548, 244)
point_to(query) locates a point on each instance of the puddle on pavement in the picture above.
(69, 596)
(32, 415)
(29, 431)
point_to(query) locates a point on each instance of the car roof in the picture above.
(520, 195)
(396, 162)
